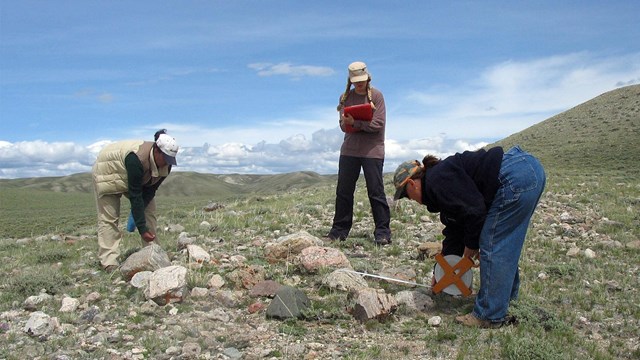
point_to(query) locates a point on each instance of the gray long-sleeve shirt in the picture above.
(369, 142)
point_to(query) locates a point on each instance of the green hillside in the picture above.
(601, 133)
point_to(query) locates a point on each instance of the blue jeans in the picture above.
(522, 180)
(348, 174)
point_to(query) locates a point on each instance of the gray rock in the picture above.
(149, 258)
(197, 254)
(89, 315)
(233, 353)
(266, 288)
(69, 304)
(141, 279)
(184, 240)
(415, 300)
(372, 304)
(345, 280)
(289, 246)
(289, 302)
(41, 325)
(33, 302)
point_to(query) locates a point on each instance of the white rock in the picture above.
(435, 321)
(542, 276)
(573, 252)
(41, 324)
(69, 304)
(198, 254)
(216, 282)
(589, 254)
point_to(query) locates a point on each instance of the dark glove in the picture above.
(148, 237)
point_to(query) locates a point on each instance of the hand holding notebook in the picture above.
(362, 112)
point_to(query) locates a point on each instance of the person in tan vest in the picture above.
(135, 169)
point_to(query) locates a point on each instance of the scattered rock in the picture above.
(589, 254)
(141, 279)
(184, 240)
(573, 252)
(41, 325)
(289, 302)
(199, 292)
(149, 258)
(93, 297)
(344, 280)
(69, 304)
(216, 282)
(213, 206)
(434, 321)
(415, 300)
(315, 258)
(287, 247)
(372, 304)
(247, 277)
(633, 244)
(198, 254)
(429, 249)
(167, 285)
(267, 288)
(175, 228)
(33, 302)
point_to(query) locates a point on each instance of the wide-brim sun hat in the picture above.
(169, 148)
(403, 174)
(358, 72)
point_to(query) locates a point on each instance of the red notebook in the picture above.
(362, 112)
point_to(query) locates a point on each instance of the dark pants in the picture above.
(348, 173)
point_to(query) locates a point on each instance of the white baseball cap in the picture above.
(169, 147)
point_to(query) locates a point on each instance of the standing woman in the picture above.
(362, 148)
(485, 200)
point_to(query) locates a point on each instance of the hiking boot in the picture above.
(472, 321)
(382, 241)
(331, 237)
(110, 268)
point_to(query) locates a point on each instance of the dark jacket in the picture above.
(461, 188)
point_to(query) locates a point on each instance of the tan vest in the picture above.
(109, 172)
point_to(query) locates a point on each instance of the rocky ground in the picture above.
(219, 306)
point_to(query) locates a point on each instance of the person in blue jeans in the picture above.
(485, 199)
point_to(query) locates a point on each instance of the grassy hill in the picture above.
(602, 133)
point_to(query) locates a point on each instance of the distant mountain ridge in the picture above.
(188, 183)
(601, 132)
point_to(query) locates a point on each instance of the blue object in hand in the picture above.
(131, 224)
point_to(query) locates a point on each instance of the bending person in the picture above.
(135, 169)
(485, 200)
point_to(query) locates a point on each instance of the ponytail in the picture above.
(430, 161)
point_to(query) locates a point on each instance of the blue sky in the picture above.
(252, 86)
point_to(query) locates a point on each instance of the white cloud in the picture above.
(511, 96)
(504, 99)
(293, 71)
